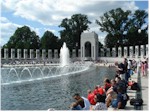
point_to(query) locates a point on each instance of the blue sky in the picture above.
(42, 15)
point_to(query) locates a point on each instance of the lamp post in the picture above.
(139, 30)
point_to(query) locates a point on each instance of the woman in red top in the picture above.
(96, 90)
(90, 97)
(101, 91)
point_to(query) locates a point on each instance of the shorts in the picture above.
(114, 103)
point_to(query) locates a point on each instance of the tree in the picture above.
(23, 38)
(49, 41)
(122, 27)
(115, 22)
(109, 41)
(136, 23)
(73, 28)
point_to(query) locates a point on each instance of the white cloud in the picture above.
(51, 12)
(7, 29)
(130, 6)
(8, 5)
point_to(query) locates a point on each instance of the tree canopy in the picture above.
(23, 38)
(49, 41)
(122, 27)
(73, 28)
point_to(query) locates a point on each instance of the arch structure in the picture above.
(89, 46)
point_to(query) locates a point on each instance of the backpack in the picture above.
(135, 86)
(136, 102)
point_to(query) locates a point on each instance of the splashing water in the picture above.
(64, 55)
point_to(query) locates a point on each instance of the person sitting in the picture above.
(107, 84)
(96, 90)
(111, 95)
(101, 91)
(100, 105)
(121, 83)
(121, 100)
(81, 103)
(90, 97)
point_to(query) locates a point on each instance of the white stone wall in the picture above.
(12, 53)
(119, 52)
(73, 53)
(125, 52)
(5, 53)
(37, 54)
(81, 54)
(19, 53)
(25, 54)
(49, 54)
(56, 53)
(131, 52)
(31, 54)
(43, 54)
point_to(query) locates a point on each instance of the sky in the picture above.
(43, 15)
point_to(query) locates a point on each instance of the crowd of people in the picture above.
(113, 92)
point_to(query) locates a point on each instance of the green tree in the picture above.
(133, 35)
(49, 41)
(109, 41)
(122, 27)
(73, 28)
(114, 22)
(23, 38)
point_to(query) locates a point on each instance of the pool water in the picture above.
(55, 93)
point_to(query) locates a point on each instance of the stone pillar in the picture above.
(37, 54)
(131, 51)
(119, 52)
(73, 53)
(146, 50)
(49, 54)
(142, 51)
(19, 53)
(108, 52)
(5, 53)
(82, 52)
(25, 54)
(12, 53)
(43, 54)
(102, 52)
(136, 51)
(113, 52)
(31, 54)
(79, 53)
(55, 53)
(125, 52)
(93, 52)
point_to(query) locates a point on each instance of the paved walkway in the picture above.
(143, 82)
(145, 92)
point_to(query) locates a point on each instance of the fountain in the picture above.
(64, 55)
(14, 74)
